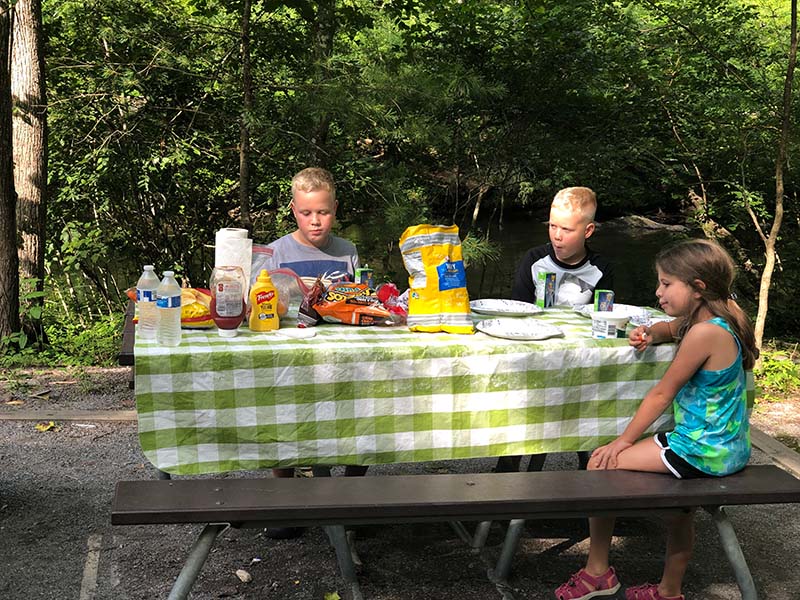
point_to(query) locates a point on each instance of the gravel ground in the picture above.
(55, 496)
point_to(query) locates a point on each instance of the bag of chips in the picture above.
(196, 309)
(437, 299)
(351, 304)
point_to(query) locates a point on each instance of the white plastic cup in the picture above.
(609, 324)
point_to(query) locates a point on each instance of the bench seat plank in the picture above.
(415, 498)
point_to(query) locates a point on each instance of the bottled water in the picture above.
(146, 289)
(169, 311)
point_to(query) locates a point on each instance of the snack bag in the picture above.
(196, 309)
(438, 299)
(351, 304)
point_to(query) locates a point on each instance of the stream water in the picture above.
(632, 251)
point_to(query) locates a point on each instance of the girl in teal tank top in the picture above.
(706, 386)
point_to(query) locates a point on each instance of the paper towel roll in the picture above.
(234, 248)
(234, 232)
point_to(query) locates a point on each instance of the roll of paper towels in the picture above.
(234, 248)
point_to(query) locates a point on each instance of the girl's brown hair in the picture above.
(707, 261)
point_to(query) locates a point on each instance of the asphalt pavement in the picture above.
(57, 541)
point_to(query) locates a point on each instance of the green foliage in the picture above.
(73, 344)
(419, 108)
(778, 376)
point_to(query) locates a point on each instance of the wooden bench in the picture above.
(338, 501)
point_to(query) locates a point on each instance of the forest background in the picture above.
(140, 128)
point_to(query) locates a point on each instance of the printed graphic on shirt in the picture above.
(332, 271)
(574, 290)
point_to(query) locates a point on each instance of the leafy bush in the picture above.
(97, 344)
(778, 376)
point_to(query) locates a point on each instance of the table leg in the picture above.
(730, 544)
(461, 531)
(338, 539)
(481, 533)
(513, 534)
(195, 561)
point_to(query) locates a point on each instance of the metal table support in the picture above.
(194, 563)
(730, 544)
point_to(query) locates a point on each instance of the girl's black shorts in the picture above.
(679, 467)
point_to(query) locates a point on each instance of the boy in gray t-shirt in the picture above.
(311, 250)
(337, 260)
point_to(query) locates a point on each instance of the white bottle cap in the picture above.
(229, 333)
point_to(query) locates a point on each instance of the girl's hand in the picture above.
(605, 457)
(640, 338)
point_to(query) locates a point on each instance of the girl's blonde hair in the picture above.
(706, 261)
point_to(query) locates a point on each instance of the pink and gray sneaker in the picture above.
(648, 591)
(582, 586)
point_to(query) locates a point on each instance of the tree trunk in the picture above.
(771, 240)
(244, 127)
(9, 261)
(323, 30)
(30, 148)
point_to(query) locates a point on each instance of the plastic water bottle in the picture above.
(146, 289)
(169, 311)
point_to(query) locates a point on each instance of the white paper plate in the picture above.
(519, 329)
(504, 308)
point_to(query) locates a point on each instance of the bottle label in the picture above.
(168, 302)
(145, 295)
(265, 296)
(229, 299)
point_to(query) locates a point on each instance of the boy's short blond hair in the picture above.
(313, 179)
(581, 200)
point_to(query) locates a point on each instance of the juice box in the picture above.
(545, 289)
(364, 275)
(603, 300)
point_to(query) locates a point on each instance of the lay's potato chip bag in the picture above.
(437, 299)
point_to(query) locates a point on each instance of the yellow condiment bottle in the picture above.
(263, 304)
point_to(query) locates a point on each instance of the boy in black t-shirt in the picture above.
(578, 270)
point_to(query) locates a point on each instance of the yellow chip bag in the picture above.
(437, 299)
(195, 309)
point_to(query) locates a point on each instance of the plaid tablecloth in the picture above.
(384, 395)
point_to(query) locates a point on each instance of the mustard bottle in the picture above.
(263, 304)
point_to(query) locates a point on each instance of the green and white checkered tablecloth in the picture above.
(372, 395)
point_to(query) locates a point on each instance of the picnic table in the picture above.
(371, 395)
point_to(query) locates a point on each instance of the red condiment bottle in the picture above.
(227, 299)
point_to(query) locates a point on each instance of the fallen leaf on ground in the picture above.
(244, 576)
(49, 426)
(15, 402)
(333, 596)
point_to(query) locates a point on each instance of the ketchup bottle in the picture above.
(227, 299)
